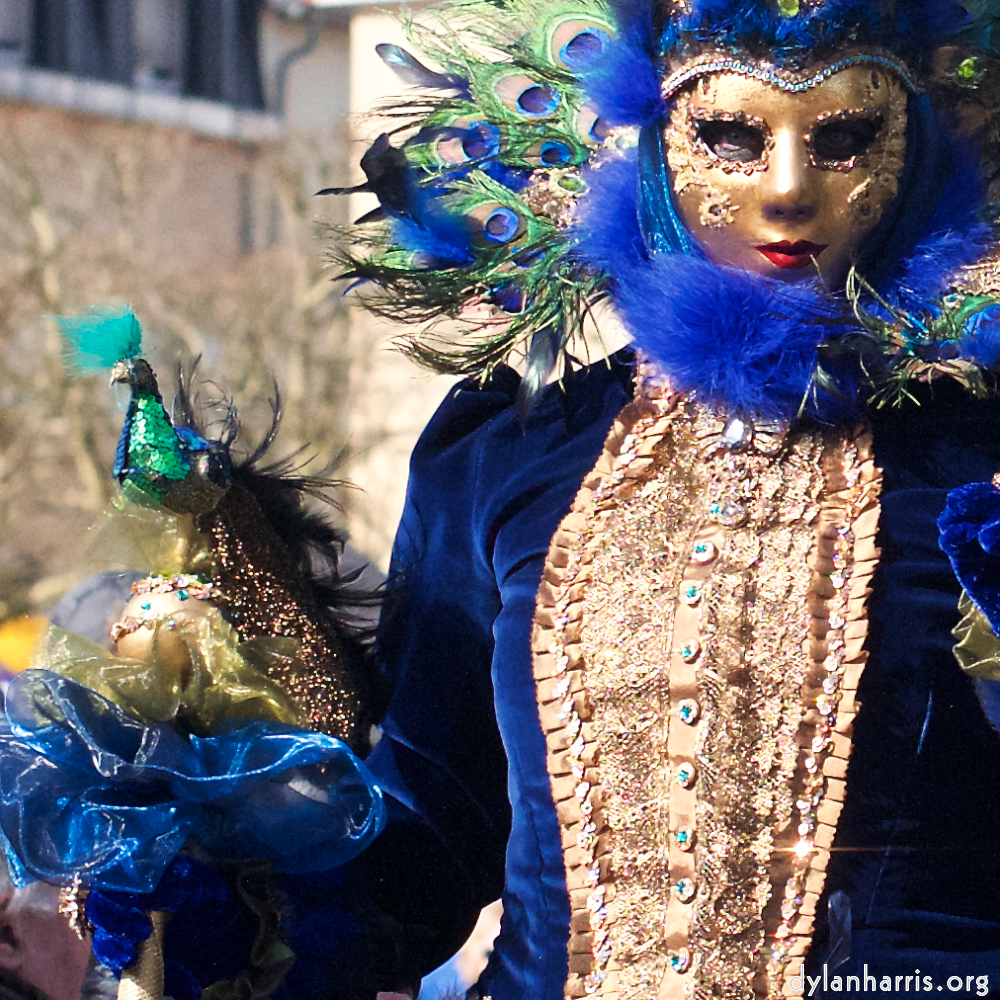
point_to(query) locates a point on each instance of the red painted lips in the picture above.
(792, 255)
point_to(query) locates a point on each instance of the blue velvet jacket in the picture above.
(463, 758)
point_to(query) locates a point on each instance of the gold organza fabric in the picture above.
(228, 680)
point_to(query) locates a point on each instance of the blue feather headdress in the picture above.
(524, 183)
(801, 31)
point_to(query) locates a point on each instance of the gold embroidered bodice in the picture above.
(697, 648)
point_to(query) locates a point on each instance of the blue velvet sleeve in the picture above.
(486, 492)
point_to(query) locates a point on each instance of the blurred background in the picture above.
(166, 153)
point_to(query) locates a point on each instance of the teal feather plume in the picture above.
(100, 338)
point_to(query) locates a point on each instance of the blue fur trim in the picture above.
(743, 341)
(625, 85)
(606, 229)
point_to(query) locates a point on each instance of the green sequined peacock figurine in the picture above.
(156, 463)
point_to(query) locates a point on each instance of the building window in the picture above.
(91, 38)
(15, 31)
(223, 59)
(197, 48)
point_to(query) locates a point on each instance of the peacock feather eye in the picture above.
(482, 141)
(555, 154)
(502, 225)
(526, 96)
(584, 48)
(538, 101)
(508, 297)
(577, 43)
(591, 128)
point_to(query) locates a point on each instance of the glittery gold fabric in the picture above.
(143, 979)
(264, 594)
(697, 647)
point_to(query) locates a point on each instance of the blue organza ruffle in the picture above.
(970, 538)
(88, 790)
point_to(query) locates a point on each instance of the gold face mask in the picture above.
(787, 184)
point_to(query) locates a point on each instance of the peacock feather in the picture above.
(489, 167)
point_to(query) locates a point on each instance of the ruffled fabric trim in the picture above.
(88, 790)
(228, 678)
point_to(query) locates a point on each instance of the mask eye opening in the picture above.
(732, 139)
(839, 139)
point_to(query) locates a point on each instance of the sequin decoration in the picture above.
(264, 594)
(751, 786)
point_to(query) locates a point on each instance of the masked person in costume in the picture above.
(672, 634)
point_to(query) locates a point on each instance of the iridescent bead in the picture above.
(680, 960)
(688, 711)
(703, 552)
(684, 839)
(690, 593)
(737, 432)
(685, 890)
(686, 775)
(690, 650)
(729, 515)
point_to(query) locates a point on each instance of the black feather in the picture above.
(542, 357)
(375, 215)
(389, 176)
(413, 72)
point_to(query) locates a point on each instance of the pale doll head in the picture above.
(787, 184)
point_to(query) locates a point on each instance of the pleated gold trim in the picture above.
(679, 949)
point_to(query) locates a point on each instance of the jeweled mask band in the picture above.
(792, 82)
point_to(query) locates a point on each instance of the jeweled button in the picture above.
(689, 650)
(737, 433)
(729, 515)
(690, 593)
(704, 552)
(685, 890)
(684, 838)
(686, 775)
(680, 960)
(688, 711)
